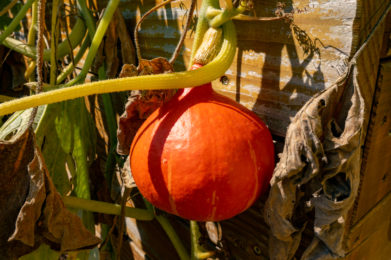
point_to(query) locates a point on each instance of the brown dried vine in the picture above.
(40, 47)
(183, 35)
(137, 44)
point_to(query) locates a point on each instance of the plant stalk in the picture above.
(15, 21)
(90, 21)
(69, 68)
(175, 240)
(197, 251)
(33, 26)
(226, 15)
(96, 41)
(53, 42)
(106, 208)
(31, 40)
(75, 37)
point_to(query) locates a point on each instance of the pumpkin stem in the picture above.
(210, 46)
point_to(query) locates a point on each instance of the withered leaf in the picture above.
(157, 65)
(141, 104)
(14, 184)
(128, 52)
(110, 49)
(319, 169)
(32, 209)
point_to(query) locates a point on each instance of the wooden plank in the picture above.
(368, 13)
(370, 237)
(246, 235)
(370, 85)
(278, 67)
(376, 166)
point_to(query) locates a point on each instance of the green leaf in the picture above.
(56, 157)
(67, 137)
(43, 252)
(78, 119)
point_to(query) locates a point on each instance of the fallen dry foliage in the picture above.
(32, 210)
(318, 172)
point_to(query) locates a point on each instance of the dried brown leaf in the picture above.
(141, 105)
(33, 210)
(128, 70)
(319, 169)
(128, 51)
(110, 49)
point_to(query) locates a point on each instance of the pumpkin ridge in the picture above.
(213, 206)
(171, 201)
(254, 159)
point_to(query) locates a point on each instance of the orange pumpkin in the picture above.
(202, 156)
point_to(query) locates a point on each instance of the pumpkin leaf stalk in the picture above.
(197, 251)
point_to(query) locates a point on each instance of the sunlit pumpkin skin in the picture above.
(202, 156)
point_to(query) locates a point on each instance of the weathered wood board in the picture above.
(278, 67)
(370, 237)
(376, 167)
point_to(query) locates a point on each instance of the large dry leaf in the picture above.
(141, 104)
(318, 170)
(31, 207)
(14, 186)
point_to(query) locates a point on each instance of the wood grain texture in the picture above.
(368, 13)
(376, 167)
(278, 67)
(371, 236)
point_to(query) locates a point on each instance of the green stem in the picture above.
(108, 108)
(75, 37)
(112, 130)
(98, 37)
(172, 235)
(69, 68)
(106, 208)
(31, 41)
(212, 12)
(90, 21)
(33, 26)
(197, 251)
(225, 16)
(15, 21)
(106, 98)
(53, 42)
